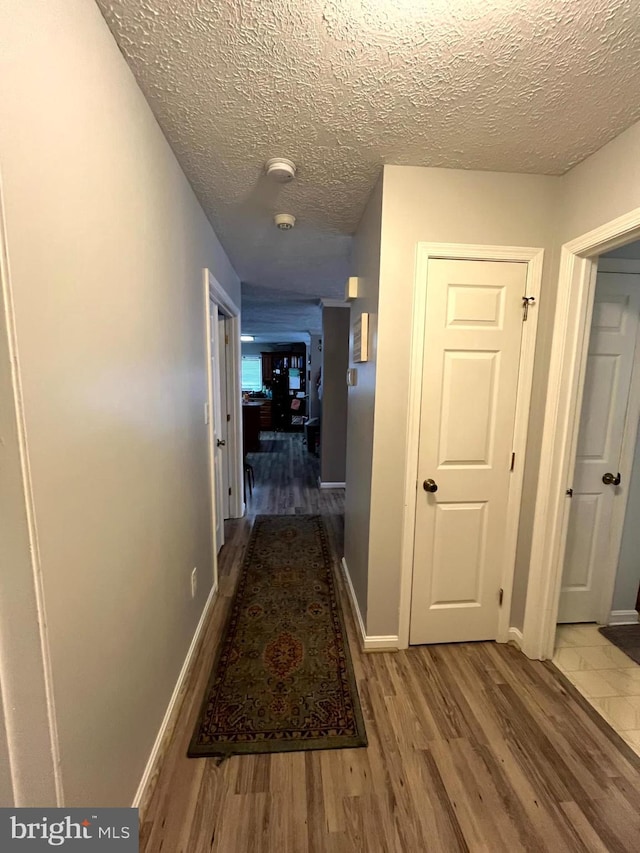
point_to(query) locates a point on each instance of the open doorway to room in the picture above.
(222, 410)
(601, 569)
(277, 406)
(600, 544)
(294, 411)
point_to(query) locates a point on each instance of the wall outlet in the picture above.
(194, 581)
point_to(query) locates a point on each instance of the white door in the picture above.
(223, 338)
(473, 329)
(216, 420)
(606, 393)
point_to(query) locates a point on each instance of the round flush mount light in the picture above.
(281, 169)
(284, 221)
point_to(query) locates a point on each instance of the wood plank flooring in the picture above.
(471, 746)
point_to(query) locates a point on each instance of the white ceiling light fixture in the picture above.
(247, 339)
(284, 221)
(281, 169)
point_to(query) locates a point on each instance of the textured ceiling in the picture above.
(343, 86)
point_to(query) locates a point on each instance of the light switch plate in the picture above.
(352, 289)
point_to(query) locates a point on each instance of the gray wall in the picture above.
(366, 265)
(628, 575)
(629, 252)
(315, 355)
(335, 360)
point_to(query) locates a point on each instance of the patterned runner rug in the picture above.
(284, 679)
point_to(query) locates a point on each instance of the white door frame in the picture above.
(608, 570)
(213, 292)
(28, 722)
(574, 306)
(533, 257)
(225, 398)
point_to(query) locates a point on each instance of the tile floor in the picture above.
(604, 675)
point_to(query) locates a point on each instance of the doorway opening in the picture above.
(600, 574)
(559, 459)
(601, 571)
(222, 409)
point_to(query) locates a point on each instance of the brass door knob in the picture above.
(610, 479)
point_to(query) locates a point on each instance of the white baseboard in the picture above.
(149, 777)
(327, 485)
(623, 617)
(515, 636)
(369, 643)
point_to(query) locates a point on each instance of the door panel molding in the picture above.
(533, 257)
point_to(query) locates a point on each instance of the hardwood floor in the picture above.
(471, 746)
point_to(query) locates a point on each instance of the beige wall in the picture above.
(107, 244)
(7, 798)
(453, 206)
(603, 187)
(436, 205)
(366, 265)
(27, 765)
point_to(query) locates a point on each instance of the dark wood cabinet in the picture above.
(267, 371)
(265, 415)
(251, 427)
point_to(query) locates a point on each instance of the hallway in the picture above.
(471, 747)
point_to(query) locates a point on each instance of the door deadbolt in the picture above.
(430, 486)
(610, 479)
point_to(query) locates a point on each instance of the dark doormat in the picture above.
(283, 680)
(625, 637)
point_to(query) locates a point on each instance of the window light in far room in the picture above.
(251, 373)
(247, 339)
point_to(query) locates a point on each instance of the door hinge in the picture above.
(226, 339)
(569, 493)
(526, 301)
(513, 461)
(229, 489)
(500, 597)
(228, 418)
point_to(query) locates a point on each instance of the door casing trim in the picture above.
(574, 306)
(214, 293)
(533, 257)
